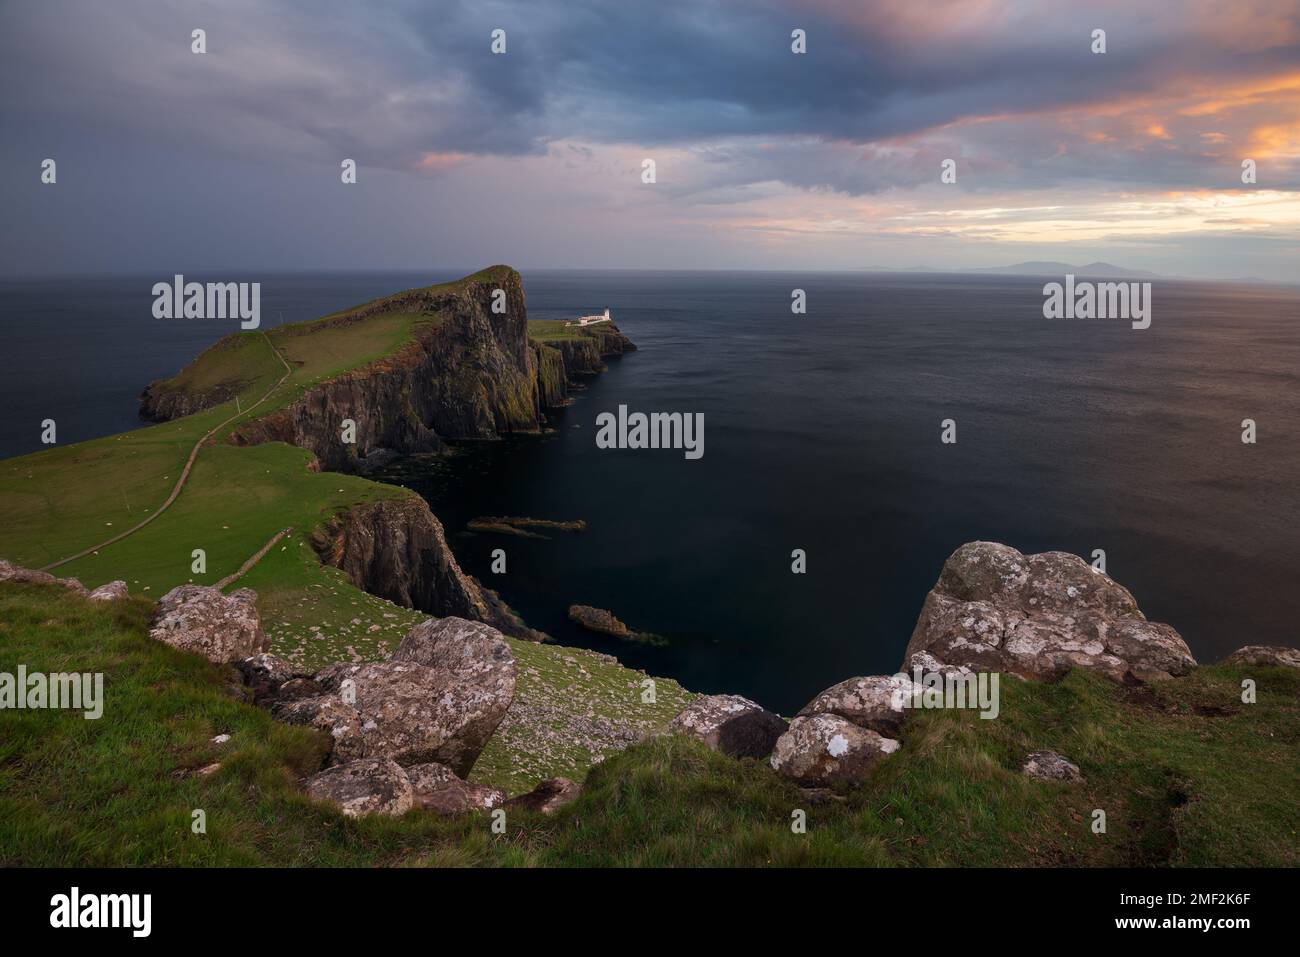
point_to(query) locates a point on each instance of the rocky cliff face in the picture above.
(397, 549)
(471, 373)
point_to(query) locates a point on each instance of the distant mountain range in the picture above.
(1049, 268)
(1097, 270)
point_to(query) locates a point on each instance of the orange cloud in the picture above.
(439, 162)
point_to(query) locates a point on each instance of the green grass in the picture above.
(549, 330)
(1187, 775)
(65, 499)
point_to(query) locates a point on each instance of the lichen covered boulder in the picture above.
(1038, 616)
(1050, 766)
(437, 698)
(825, 748)
(201, 620)
(438, 788)
(730, 724)
(877, 702)
(359, 788)
(1277, 655)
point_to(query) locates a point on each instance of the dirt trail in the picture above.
(185, 472)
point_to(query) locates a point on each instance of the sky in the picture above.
(170, 160)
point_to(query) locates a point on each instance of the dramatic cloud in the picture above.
(750, 139)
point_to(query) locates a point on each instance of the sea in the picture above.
(823, 437)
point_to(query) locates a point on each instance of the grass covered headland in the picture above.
(343, 567)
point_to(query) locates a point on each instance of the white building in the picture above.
(590, 320)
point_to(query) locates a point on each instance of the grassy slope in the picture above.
(59, 501)
(1186, 773)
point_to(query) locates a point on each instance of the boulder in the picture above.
(1265, 655)
(1050, 766)
(415, 714)
(1037, 616)
(265, 674)
(326, 713)
(825, 748)
(368, 786)
(201, 620)
(437, 788)
(876, 703)
(473, 652)
(733, 725)
(548, 797)
(111, 591)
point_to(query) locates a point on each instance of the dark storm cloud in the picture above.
(399, 80)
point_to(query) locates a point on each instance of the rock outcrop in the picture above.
(368, 786)
(825, 748)
(9, 572)
(110, 591)
(1265, 655)
(1050, 766)
(599, 620)
(730, 724)
(265, 674)
(438, 698)
(1037, 616)
(877, 703)
(397, 549)
(437, 788)
(199, 619)
(548, 797)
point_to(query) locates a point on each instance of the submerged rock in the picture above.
(599, 620)
(201, 620)
(368, 786)
(1037, 616)
(730, 724)
(825, 748)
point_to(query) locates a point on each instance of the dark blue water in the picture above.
(822, 433)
